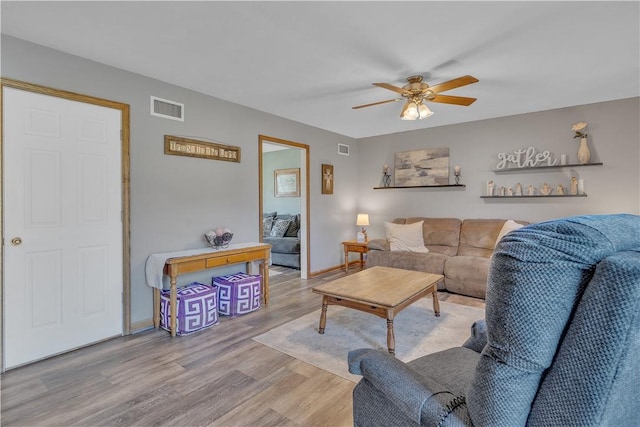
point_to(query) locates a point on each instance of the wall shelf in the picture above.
(422, 186)
(536, 168)
(540, 196)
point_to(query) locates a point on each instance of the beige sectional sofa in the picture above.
(458, 249)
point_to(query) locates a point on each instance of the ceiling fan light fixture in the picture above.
(424, 111)
(410, 111)
(416, 92)
(415, 110)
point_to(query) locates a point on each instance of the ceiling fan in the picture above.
(416, 92)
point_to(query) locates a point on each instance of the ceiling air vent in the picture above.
(167, 109)
(343, 149)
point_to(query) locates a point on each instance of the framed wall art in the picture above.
(327, 179)
(422, 167)
(287, 182)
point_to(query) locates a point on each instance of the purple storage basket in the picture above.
(197, 308)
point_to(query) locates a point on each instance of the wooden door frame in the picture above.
(125, 190)
(262, 139)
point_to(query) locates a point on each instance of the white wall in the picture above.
(614, 139)
(174, 200)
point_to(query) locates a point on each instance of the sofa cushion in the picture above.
(405, 237)
(440, 235)
(478, 236)
(286, 260)
(467, 275)
(431, 262)
(453, 368)
(284, 245)
(379, 245)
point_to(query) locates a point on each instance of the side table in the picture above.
(354, 246)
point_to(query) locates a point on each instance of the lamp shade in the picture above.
(410, 111)
(424, 111)
(363, 219)
(414, 109)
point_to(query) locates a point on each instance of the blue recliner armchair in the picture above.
(560, 345)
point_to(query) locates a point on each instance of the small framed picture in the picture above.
(287, 182)
(327, 179)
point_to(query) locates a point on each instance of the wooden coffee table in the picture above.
(382, 291)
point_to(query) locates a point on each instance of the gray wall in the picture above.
(614, 139)
(174, 200)
(281, 159)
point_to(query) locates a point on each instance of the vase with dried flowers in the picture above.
(584, 155)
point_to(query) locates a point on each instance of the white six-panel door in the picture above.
(63, 225)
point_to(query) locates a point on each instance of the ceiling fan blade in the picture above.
(391, 87)
(452, 84)
(377, 103)
(448, 99)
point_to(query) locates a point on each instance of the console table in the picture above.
(176, 263)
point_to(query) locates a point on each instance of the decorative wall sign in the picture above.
(422, 167)
(178, 146)
(525, 158)
(327, 179)
(287, 182)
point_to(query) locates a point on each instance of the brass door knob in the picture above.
(16, 241)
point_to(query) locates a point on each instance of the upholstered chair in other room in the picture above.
(560, 346)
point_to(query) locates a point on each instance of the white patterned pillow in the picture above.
(267, 225)
(280, 227)
(408, 238)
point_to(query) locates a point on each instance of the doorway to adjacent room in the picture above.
(284, 188)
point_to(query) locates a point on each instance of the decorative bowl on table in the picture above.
(219, 239)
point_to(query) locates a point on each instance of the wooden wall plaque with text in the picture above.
(178, 146)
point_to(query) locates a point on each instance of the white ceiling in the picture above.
(312, 61)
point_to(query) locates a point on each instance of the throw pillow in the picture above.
(280, 227)
(405, 237)
(269, 214)
(508, 226)
(292, 231)
(267, 225)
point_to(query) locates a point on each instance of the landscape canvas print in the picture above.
(422, 167)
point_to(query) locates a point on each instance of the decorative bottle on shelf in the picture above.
(584, 155)
(386, 176)
(386, 180)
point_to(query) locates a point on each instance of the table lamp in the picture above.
(362, 220)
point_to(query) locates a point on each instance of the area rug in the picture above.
(417, 332)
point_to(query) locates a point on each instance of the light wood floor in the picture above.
(216, 377)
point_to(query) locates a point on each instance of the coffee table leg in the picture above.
(323, 315)
(436, 303)
(391, 339)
